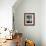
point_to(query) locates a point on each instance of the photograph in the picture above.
(29, 19)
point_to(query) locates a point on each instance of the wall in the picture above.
(6, 13)
(43, 22)
(29, 32)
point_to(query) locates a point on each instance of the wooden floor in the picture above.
(9, 43)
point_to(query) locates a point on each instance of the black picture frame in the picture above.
(29, 19)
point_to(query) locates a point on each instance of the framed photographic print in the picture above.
(29, 19)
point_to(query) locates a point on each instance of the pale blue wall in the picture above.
(29, 32)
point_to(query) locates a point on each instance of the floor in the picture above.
(12, 42)
(9, 43)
